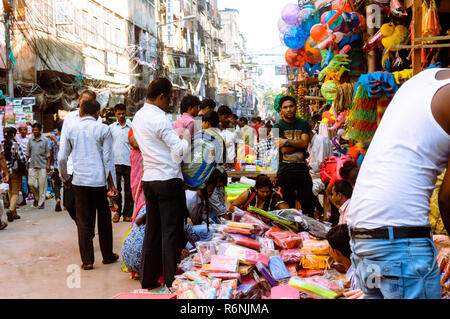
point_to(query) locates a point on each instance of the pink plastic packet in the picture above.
(291, 255)
(255, 257)
(224, 264)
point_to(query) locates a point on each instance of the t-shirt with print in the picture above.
(292, 131)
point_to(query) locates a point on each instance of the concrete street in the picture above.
(36, 251)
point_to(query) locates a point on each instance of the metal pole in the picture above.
(9, 65)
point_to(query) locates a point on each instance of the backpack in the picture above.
(207, 150)
(329, 169)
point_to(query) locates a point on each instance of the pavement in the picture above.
(39, 258)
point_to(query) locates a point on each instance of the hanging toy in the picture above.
(328, 90)
(373, 41)
(397, 8)
(392, 36)
(336, 64)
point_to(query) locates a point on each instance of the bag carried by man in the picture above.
(329, 169)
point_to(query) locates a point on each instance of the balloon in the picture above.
(344, 5)
(313, 55)
(308, 18)
(282, 26)
(290, 13)
(333, 19)
(295, 58)
(294, 37)
(354, 18)
(319, 32)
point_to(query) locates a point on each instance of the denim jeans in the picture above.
(396, 268)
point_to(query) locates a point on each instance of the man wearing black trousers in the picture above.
(119, 132)
(71, 119)
(90, 144)
(162, 151)
(293, 173)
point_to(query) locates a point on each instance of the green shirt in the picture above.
(292, 131)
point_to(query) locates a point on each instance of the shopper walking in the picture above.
(293, 173)
(70, 120)
(15, 162)
(22, 138)
(162, 152)
(388, 215)
(91, 146)
(38, 154)
(56, 180)
(4, 177)
(119, 132)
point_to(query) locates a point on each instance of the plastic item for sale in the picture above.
(283, 292)
(270, 252)
(291, 255)
(235, 251)
(316, 247)
(324, 283)
(309, 288)
(241, 225)
(292, 268)
(278, 268)
(289, 224)
(224, 264)
(266, 243)
(306, 236)
(246, 242)
(441, 261)
(205, 249)
(234, 230)
(253, 257)
(316, 262)
(266, 274)
(309, 272)
(244, 269)
(226, 289)
(353, 294)
(260, 226)
(303, 222)
(187, 263)
(195, 276)
(284, 239)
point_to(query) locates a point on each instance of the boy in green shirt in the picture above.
(293, 173)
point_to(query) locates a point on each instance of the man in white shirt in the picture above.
(70, 120)
(22, 137)
(162, 151)
(341, 194)
(119, 132)
(91, 146)
(230, 137)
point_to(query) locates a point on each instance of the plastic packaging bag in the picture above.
(278, 268)
(246, 242)
(224, 264)
(316, 247)
(270, 252)
(284, 239)
(312, 289)
(266, 243)
(316, 262)
(237, 251)
(205, 249)
(292, 268)
(187, 263)
(291, 255)
(261, 227)
(253, 257)
(227, 288)
(305, 223)
(309, 272)
(266, 274)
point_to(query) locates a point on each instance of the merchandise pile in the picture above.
(259, 254)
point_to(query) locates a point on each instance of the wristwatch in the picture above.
(287, 143)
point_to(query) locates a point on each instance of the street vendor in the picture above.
(261, 196)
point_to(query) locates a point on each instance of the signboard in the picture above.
(17, 111)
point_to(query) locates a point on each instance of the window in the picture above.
(85, 29)
(94, 30)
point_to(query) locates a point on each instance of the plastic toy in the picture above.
(295, 58)
(290, 13)
(295, 37)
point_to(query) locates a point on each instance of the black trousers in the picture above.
(164, 231)
(124, 171)
(300, 182)
(88, 200)
(56, 184)
(69, 202)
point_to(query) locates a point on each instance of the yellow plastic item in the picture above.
(316, 262)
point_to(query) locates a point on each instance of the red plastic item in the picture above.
(284, 239)
(373, 41)
(255, 257)
(291, 255)
(250, 219)
(234, 230)
(292, 268)
(246, 242)
(309, 273)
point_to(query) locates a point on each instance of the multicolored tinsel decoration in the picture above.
(302, 105)
(362, 122)
(382, 104)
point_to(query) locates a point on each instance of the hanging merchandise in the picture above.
(397, 8)
(430, 20)
(290, 13)
(313, 55)
(276, 103)
(336, 66)
(393, 35)
(295, 58)
(344, 97)
(295, 37)
(328, 90)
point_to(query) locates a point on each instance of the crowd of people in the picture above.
(378, 203)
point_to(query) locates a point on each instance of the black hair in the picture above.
(189, 101)
(208, 103)
(345, 170)
(38, 125)
(157, 87)
(90, 107)
(91, 93)
(212, 117)
(120, 107)
(224, 110)
(258, 118)
(244, 119)
(343, 187)
(263, 180)
(353, 175)
(234, 116)
(287, 98)
(339, 239)
(253, 119)
(316, 117)
(9, 133)
(59, 125)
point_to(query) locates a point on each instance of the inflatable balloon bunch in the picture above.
(294, 25)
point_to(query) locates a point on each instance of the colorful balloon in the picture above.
(328, 90)
(294, 37)
(313, 55)
(344, 5)
(283, 26)
(290, 13)
(308, 18)
(282, 39)
(319, 32)
(327, 16)
(295, 58)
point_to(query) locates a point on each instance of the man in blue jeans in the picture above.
(391, 239)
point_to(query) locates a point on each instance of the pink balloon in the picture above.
(290, 13)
